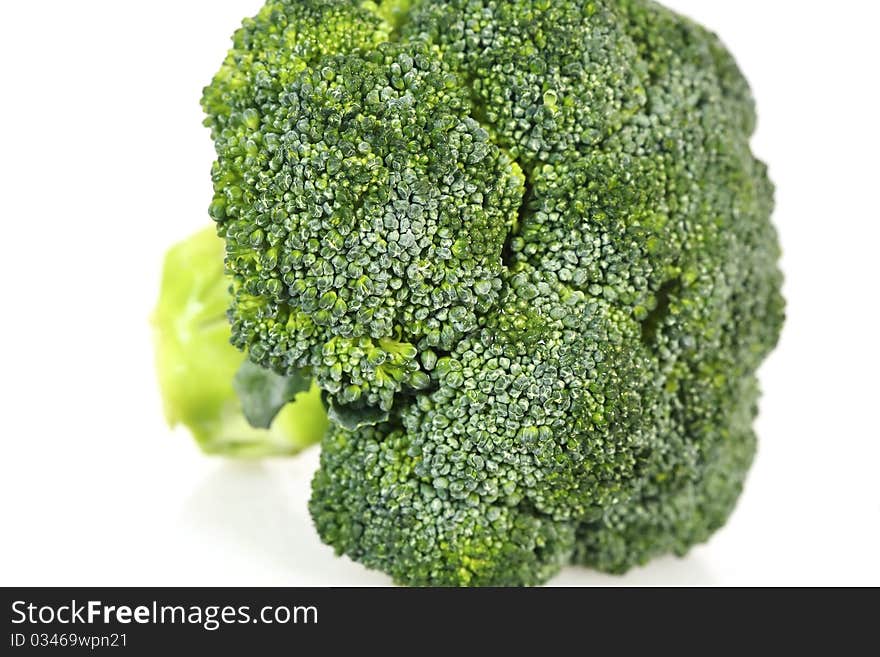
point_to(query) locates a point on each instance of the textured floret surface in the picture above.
(525, 251)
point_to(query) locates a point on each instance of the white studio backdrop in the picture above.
(105, 164)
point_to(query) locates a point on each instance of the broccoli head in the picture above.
(524, 250)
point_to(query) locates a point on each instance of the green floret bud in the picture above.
(370, 208)
(197, 364)
(550, 78)
(538, 420)
(600, 224)
(368, 502)
(273, 47)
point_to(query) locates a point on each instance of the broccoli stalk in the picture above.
(197, 365)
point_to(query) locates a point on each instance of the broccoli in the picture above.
(202, 376)
(525, 252)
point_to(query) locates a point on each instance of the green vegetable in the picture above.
(197, 365)
(524, 249)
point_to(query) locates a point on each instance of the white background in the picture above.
(104, 163)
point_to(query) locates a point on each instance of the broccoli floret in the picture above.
(275, 46)
(371, 503)
(549, 78)
(197, 365)
(367, 224)
(526, 252)
(537, 421)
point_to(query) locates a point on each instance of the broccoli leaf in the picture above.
(264, 393)
(355, 417)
